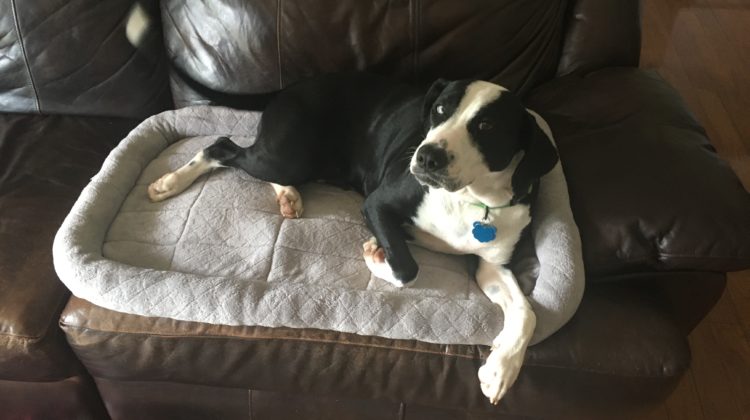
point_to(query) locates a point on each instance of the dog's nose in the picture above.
(431, 158)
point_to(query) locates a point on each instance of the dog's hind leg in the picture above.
(224, 153)
(219, 154)
(289, 199)
(503, 364)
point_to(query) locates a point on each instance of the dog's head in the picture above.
(474, 129)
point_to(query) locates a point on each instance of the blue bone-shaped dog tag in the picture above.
(483, 232)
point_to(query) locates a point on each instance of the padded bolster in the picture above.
(601, 33)
(646, 187)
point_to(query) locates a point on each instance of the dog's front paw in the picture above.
(499, 373)
(374, 257)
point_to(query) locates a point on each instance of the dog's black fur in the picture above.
(359, 130)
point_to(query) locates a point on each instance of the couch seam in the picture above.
(260, 338)
(417, 26)
(708, 257)
(278, 41)
(36, 338)
(593, 371)
(25, 56)
(526, 364)
(616, 268)
(47, 381)
(414, 15)
(250, 404)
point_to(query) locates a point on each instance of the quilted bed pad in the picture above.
(221, 253)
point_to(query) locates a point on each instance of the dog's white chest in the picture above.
(444, 223)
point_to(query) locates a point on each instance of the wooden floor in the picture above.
(702, 47)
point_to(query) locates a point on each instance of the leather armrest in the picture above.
(647, 189)
(44, 163)
(601, 33)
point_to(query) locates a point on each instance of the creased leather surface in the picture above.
(16, 90)
(44, 163)
(261, 46)
(588, 365)
(647, 189)
(69, 398)
(75, 58)
(160, 400)
(688, 295)
(599, 34)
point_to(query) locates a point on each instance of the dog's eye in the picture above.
(440, 109)
(484, 126)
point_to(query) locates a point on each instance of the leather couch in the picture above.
(662, 218)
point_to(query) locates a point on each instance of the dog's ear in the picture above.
(539, 157)
(429, 100)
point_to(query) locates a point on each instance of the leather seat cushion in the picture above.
(567, 369)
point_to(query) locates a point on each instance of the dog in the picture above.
(454, 168)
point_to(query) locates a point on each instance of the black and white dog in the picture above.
(454, 169)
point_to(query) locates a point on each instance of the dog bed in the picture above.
(221, 253)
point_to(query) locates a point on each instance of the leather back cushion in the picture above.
(76, 58)
(264, 45)
(601, 33)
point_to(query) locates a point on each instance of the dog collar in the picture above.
(485, 232)
(513, 201)
(488, 208)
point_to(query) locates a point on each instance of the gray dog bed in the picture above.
(221, 253)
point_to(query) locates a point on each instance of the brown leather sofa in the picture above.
(661, 216)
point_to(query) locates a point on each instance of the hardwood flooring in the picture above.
(702, 47)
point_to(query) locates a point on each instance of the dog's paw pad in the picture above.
(374, 257)
(372, 252)
(163, 188)
(290, 204)
(498, 374)
(492, 384)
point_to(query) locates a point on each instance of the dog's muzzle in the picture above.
(430, 167)
(431, 158)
